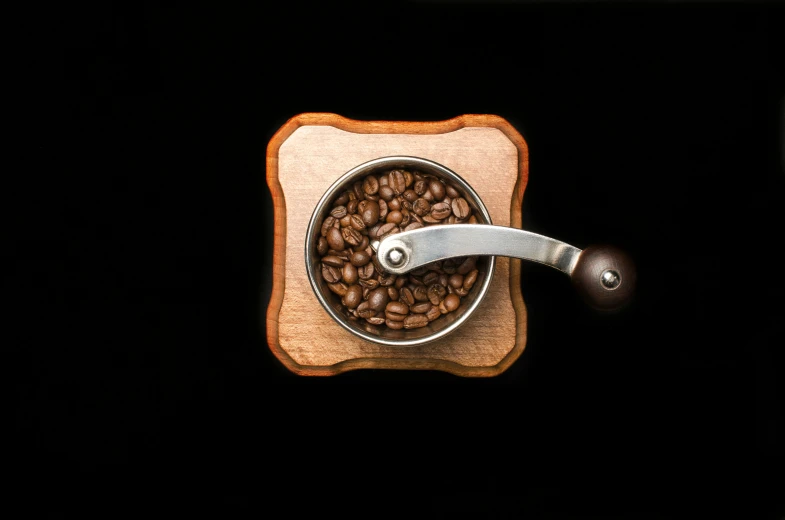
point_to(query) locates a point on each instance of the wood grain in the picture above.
(307, 154)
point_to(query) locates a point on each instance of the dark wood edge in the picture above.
(279, 239)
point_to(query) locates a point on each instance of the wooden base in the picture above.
(307, 154)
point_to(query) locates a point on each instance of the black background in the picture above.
(143, 362)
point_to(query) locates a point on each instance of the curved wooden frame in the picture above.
(280, 235)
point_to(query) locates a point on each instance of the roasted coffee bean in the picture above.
(437, 189)
(461, 292)
(420, 187)
(460, 207)
(420, 307)
(413, 225)
(383, 209)
(456, 281)
(370, 283)
(335, 239)
(467, 265)
(357, 188)
(386, 192)
(346, 221)
(353, 296)
(436, 293)
(429, 219)
(351, 207)
(359, 259)
(394, 217)
(405, 218)
(364, 310)
(322, 246)
(370, 213)
(469, 279)
(415, 321)
(420, 293)
(440, 211)
(394, 316)
(332, 260)
(393, 293)
(370, 185)
(406, 296)
(451, 191)
(342, 199)
(327, 225)
(338, 212)
(394, 325)
(394, 204)
(351, 236)
(387, 279)
(390, 228)
(397, 307)
(349, 273)
(421, 207)
(444, 279)
(331, 274)
(397, 181)
(338, 288)
(433, 313)
(356, 222)
(451, 302)
(378, 298)
(375, 320)
(472, 220)
(409, 177)
(429, 278)
(410, 195)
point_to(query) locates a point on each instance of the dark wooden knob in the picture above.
(605, 277)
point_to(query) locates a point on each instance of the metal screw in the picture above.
(395, 256)
(610, 279)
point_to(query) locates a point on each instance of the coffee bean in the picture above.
(393, 293)
(460, 207)
(456, 281)
(378, 298)
(394, 316)
(338, 288)
(386, 192)
(451, 191)
(421, 207)
(331, 274)
(436, 293)
(351, 236)
(351, 207)
(375, 320)
(413, 225)
(469, 279)
(357, 188)
(394, 204)
(407, 296)
(383, 209)
(397, 307)
(370, 283)
(440, 211)
(437, 189)
(420, 307)
(353, 296)
(410, 196)
(342, 199)
(387, 279)
(428, 278)
(390, 228)
(433, 313)
(420, 187)
(335, 239)
(322, 246)
(394, 217)
(370, 213)
(397, 181)
(415, 321)
(467, 265)
(420, 293)
(370, 185)
(359, 258)
(338, 212)
(349, 273)
(356, 222)
(394, 325)
(451, 302)
(327, 225)
(364, 310)
(332, 260)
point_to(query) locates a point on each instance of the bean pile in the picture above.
(375, 207)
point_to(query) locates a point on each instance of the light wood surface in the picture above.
(307, 154)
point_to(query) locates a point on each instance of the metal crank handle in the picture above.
(602, 274)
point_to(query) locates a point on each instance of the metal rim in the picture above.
(345, 180)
